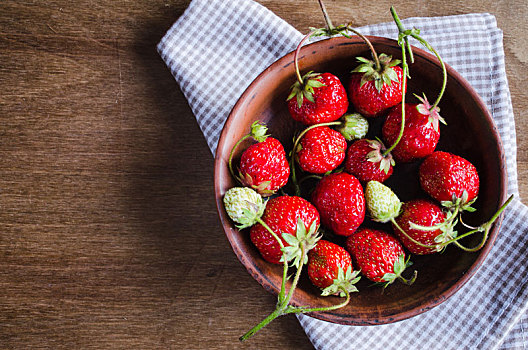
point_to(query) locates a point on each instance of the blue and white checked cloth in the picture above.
(214, 67)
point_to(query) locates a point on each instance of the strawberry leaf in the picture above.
(258, 131)
(302, 241)
(289, 238)
(305, 89)
(299, 99)
(363, 60)
(344, 281)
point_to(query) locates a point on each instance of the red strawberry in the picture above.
(341, 203)
(378, 255)
(282, 215)
(264, 167)
(424, 213)
(320, 98)
(321, 150)
(366, 161)
(324, 262)
(421, 133)
(449, 179)
(330, 268)
(372, 90)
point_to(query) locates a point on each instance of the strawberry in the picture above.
(450, 179)
(263, 166)
(375, 86)
(366, 161)
(340, 201)
(353, 126)
(283, 215)
(325, 261)
(244, 206)
(320, 98)
(321, 150)
(378, 255)
(425, 213)
(382, 203)
(421, 133)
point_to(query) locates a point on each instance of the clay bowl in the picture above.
(470, 133)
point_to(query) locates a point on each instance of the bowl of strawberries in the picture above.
(345, 190)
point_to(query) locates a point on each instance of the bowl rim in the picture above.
(336, 317)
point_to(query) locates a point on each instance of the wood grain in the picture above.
(110, 232)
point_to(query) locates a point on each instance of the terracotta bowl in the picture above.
(470, 133)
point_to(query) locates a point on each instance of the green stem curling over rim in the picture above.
(405, 73)
(404, 42)
(328, 21)
(367, 41)
(296, 57)
(483, 228)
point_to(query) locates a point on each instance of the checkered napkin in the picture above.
(214, 66)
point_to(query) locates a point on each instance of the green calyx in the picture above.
(447, 227)
(345, 281)
(244, 206)
(353, 126)
(399, 266)
(384, 75)
(262, 188)
(382, 203)
(329, 32)
(461, 203)
(310, 81)
(258, 131)
(378, 155)
(298, 246)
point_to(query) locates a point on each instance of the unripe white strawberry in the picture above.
(382, 203)
(244, 206)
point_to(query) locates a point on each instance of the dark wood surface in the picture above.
(110, 237)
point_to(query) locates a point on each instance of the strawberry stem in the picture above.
(261, 325)
(308, 177)
(409, 281)
(433, 246)
(404, 34)
(483, 228)
(285, 263)
(369, 44)
(296, 56)
(282, 306)
(486, 228)
(230, 162)
(293, 152)
(444, 71)
(294, 310)
(328, 21)
(326, 308)
(405, 68)
(295, 279)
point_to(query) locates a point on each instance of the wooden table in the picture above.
(110, 237)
